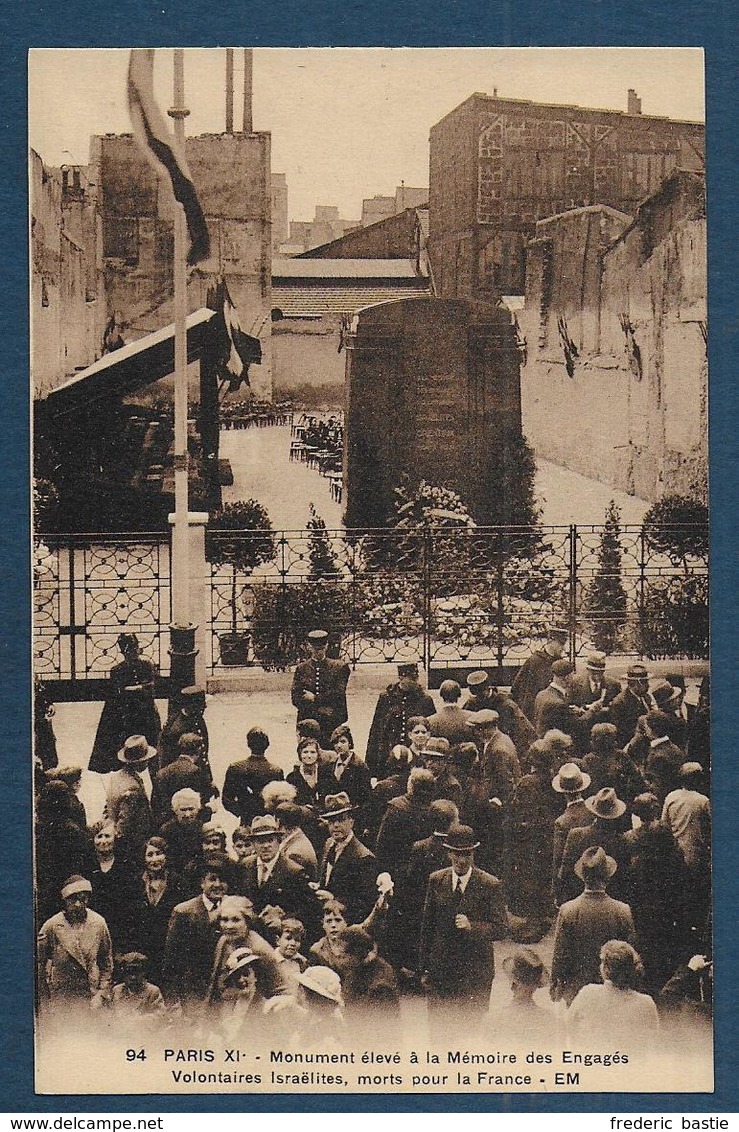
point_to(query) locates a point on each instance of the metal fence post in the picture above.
(573, 591)
(427, 601)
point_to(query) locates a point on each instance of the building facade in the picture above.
(67, 303)
(231, 173)
(497, 166)
(615, 382)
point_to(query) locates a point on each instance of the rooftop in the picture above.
(379, 269)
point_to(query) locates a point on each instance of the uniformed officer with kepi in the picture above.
(319, 687)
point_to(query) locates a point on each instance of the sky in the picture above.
(349, 123)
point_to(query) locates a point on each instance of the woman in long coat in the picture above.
(130, 708)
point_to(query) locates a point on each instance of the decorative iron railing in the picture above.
(476, 596)
(480, 596)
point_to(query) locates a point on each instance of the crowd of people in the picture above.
(576, 804)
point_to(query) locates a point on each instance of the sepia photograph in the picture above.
(370, 567)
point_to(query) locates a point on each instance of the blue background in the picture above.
(627, 23)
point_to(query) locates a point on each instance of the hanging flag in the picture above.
(235, 350)
(159, 144)
(112, 337)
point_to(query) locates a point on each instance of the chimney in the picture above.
(248, 61)
(634, 103)
(229, 90)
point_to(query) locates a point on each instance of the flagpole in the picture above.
(180, 537)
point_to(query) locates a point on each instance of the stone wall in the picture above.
(67, 304)
(231, 173)
(632, 411)
(305, 352)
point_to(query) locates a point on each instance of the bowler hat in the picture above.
(606, 804)
(238, 961)
(478, 679)
(595, 864)
(337, 805)
(317, 636)
(266, 825)
(570, 779)
(596, 661)
(461, 839)
(136, 752)
(525, 966)
(637, 672)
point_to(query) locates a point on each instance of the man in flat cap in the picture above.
(463, 914)
(486, 696)
(75, 954)
(397, 704)
(319, 687)
(536, 672)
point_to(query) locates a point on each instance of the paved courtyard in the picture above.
(260, 459)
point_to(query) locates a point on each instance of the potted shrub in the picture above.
(239, 535)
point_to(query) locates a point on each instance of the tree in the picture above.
(240, 535)
(605, 599)
(677, 526)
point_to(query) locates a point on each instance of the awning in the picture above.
(132, 367)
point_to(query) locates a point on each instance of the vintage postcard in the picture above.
(370, 571)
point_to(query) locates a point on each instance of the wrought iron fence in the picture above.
(87, 590)
(480, 596)
(443, 598)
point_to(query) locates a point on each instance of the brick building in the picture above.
(499, 165)
(615, 382)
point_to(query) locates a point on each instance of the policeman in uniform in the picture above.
(319, 687)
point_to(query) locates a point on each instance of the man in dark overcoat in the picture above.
(192, 935)
(463, 914)
(396, 705)
(246, 778)
(319, 687)
(536, 672)
(348, 869)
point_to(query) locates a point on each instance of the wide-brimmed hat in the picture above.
(136, 751)
(238, 961)
(460, 838)
(478, 679)
(337, 805)
(606, 803)
(317, 636)
(525, 966)
(570, 779)
(595, 864)
(665, 695)
(323, 981)
(75, 884)
(596, 661)
(637, 672)
(265, 825)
